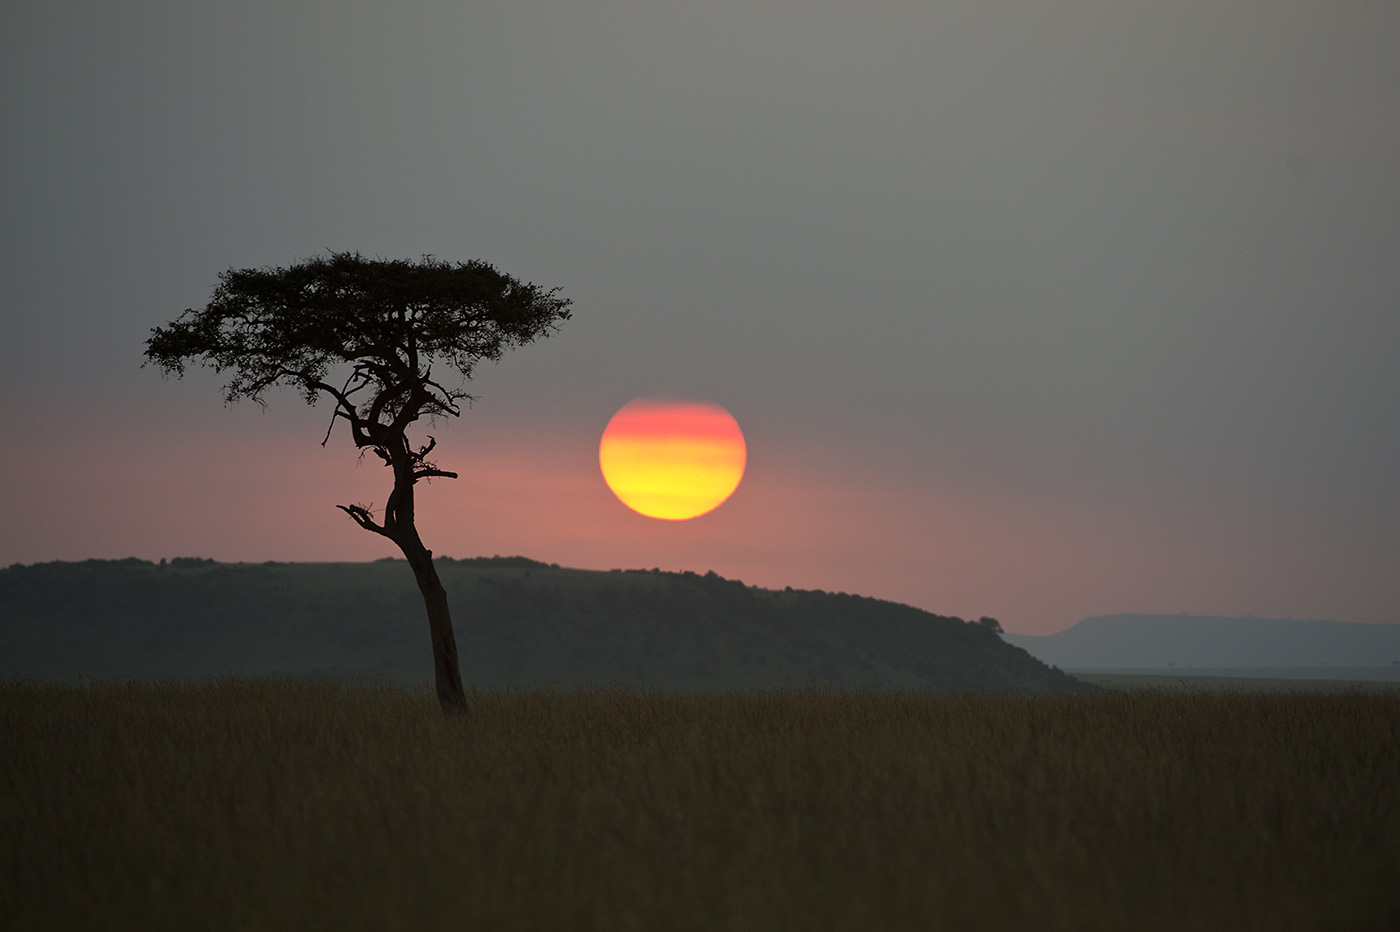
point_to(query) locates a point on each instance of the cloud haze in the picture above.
(1037, 310)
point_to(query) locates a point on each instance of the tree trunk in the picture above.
(400, 527)
(446, 673)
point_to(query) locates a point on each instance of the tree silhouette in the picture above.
(377, 329)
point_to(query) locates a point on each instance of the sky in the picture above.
(1036, 310)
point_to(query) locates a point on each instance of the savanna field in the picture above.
(249, 804)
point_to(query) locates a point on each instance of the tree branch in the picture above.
(448, 403)
(382, 399)
(344, 408)
(334, 414)
(365, 519)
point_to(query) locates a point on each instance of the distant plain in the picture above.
(1250, 679)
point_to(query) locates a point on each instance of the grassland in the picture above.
(277, 804)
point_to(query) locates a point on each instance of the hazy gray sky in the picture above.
(1034, 309)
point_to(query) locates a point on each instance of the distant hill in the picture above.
(518, 622)
(1159, 641)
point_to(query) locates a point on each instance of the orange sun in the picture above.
(672, 459)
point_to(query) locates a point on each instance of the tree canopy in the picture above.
(391, 321)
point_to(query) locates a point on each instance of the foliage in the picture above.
(391, 321)
(265, 804)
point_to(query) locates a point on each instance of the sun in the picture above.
(672, 460)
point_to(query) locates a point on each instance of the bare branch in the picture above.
(365, 519)
(448, 402)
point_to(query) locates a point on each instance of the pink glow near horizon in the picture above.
(1037, 563)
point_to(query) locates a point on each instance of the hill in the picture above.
(519, 622)
(1159, 641)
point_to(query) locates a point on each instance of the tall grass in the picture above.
(266, 804)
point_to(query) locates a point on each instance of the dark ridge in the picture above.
(499, 562)
(520, 622)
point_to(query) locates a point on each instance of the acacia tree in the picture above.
(390, 342)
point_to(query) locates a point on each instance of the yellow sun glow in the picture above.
(672, 459)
